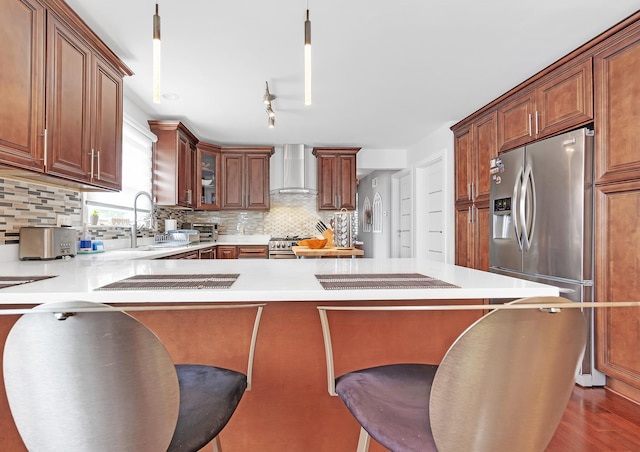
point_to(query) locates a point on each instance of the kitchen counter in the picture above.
(259, 280)
(289, 374)
(305, 251)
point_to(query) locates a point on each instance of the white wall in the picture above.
(438, 144)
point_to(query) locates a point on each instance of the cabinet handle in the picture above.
(469, 192)
(537, 130)
(529, 124)
(188, 196)
(44, 154)
(92, 156)
(98, 157)
(469, 214)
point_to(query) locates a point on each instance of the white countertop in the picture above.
(259, 280)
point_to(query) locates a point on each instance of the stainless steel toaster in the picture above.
(47, 242)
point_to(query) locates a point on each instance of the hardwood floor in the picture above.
(598, 420)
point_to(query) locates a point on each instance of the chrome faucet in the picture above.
(134, 227)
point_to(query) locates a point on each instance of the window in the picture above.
(116, 208)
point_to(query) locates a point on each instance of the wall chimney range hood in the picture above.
(293, 170)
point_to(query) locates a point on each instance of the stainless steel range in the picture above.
(280, 247)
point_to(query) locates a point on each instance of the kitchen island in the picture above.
(288, 408)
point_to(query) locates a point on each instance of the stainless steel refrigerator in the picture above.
(542, 222)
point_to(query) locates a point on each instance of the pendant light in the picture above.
(156, 56)
(307, 60)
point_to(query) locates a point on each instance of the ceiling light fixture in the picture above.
(156, 56)
(307, 59)
(267, 98)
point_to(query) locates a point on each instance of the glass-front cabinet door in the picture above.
(207, 180)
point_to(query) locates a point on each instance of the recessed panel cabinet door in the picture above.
(617, 106)
(106, 167)
(485, 147)
(22, 23)
(232, 180)
(327, 173)
(347, 182)
(515, 122)
(257, 165)
(617, 267)
(464, 164)
(68, 152)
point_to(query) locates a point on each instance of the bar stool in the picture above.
(503, 384)
(83, 376)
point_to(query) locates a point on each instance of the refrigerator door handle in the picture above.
(518, 221)
(522, 213)
(529, 196)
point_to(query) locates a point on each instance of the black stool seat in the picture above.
(392, 403)
(208, 397)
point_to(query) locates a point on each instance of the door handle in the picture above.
(98, 157)
(531, 221)
(522, 206)
(529, 124)
(537, 130)
(516, 208)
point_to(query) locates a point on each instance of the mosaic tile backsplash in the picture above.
(29, 204)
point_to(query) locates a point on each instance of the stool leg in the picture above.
(216, 444)
(363, 441)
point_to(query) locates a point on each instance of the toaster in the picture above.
(48, 242)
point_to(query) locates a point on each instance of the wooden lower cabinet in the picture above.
(227, 252)
(242, 252)
(617, 266)
(253, 251)
(472, 235)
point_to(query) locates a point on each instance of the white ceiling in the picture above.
(385, 72)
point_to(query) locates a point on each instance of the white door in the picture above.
(434, 208)
(405, 216)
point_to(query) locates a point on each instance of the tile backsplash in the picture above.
(30, 204)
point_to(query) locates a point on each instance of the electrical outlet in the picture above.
(63, 220)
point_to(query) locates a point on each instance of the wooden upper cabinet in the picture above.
(475, 145)
(173, 164)
(561, 100)
(22, 84)
(337, 180)
(62, 91)
(565, 101)
(515, 121)
(68, 152)
(617, 104)
(232, 173)
(485, 147)
(106, 136)
(245, 178)
(463, 141)
(257, 180)
(207, 176)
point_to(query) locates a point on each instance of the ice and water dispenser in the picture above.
(502, 218)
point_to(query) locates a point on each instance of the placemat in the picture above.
(381, 281)
(8, 281)
(173, 282)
